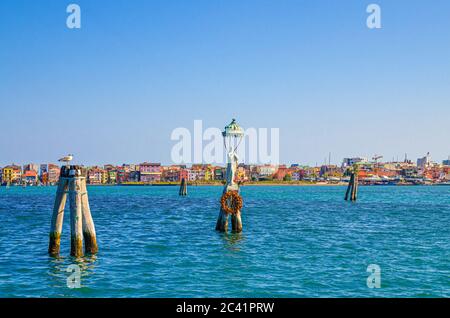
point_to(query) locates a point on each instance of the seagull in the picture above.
(66, 159)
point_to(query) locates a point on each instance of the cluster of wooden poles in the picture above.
(222, 221)
(72, 181)
(236, 220)
(352, 189)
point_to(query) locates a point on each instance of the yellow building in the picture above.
(7, 175)
(104, 176)
(240, 174)
(112, 176)
(209, 174)
(11, 174)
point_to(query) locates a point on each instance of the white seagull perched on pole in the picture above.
(66, 159)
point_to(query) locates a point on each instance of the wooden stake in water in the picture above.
(183, 187)
(222, 220)
(352, 189)
(236, 222)
(58, 217)
(355, 188)
(76, 218)
(89, 235)
(349, 188)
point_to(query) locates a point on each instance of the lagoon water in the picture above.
(297, 242)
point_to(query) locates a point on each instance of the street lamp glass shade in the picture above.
(233, 130)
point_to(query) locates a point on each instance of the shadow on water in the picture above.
(232, 241)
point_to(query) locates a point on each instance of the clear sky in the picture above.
(113, 91)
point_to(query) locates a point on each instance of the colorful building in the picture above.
(43, 169)
(424, 162)
(192, 175)
(133, 176)
(53, 173)
(111, 176)
(175, 174)
(184, 174)
(349, 162)
(281, 173)
(297, 175)
(150, 172)
(241, 174)
(11, 174)
(266, 171)
(95, 176)
(31, 167)
(202, 172)
(219, 173)
(122, 175)
(30, 177)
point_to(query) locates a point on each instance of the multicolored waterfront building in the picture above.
(424, 171)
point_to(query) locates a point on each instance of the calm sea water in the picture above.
(297, 242)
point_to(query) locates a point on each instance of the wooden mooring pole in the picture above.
(183, 187)
(76, 218)
(89, 235)
(352, 189)
(58, 217)
(349, 187)
(232, 201)
(222, 220)
(236, 222)
(72, 180)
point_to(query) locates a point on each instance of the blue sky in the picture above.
(114, 90)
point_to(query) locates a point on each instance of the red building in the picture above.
(281, 173)
(30, 177)
(122, 175)
(183, 174)
(175, 174)
(95, 176)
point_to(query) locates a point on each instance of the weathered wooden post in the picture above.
(231, 201)
(76, 216)
(222, 221)
(236, 220)
(352, 189)
(89, 235)
(349, 187)
(183, 187)
(73, 181)
(355, 187)
(58, 215)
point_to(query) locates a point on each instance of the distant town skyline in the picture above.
(424, 171)
(114, 90)
(327, 161)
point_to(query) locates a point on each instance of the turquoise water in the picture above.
(297, 242)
